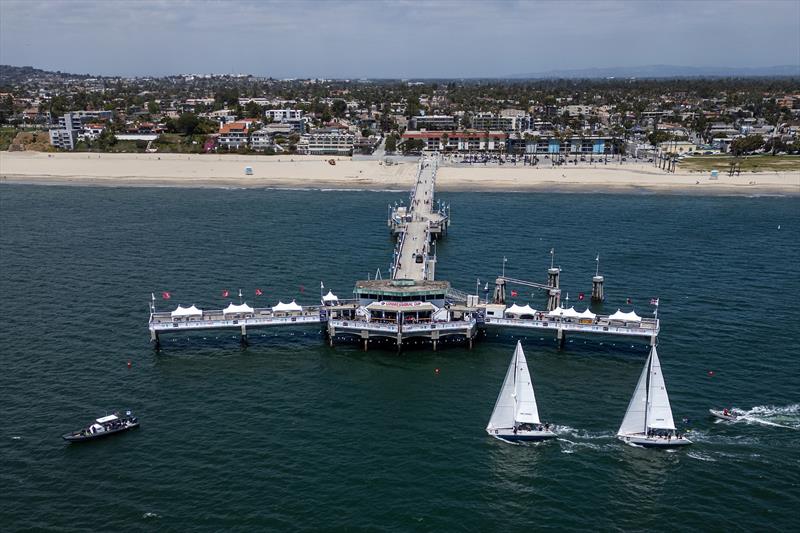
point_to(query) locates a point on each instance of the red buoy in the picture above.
(130, 364)
(437, 370)
(711, 373)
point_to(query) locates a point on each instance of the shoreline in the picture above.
(295, 172)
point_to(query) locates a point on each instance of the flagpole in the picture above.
(504, 266)
(597, 267)
(240, 296)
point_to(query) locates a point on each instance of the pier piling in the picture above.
(597, 289)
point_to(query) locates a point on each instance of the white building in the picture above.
(280, 115)
(327, 142)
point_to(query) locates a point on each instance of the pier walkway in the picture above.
(416, 226)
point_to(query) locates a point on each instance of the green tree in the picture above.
(412, 145)
(153, 107)
(253, 110)
(657, 137)
(746, 145)
(391, 144)
(338, 108)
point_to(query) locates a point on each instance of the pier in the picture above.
(412, 303)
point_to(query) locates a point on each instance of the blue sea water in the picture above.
(289, 434)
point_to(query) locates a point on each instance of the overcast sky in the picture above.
(400, 38)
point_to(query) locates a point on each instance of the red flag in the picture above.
(513, 293)
(225, 293)
(302, 289)
(629, 301)
(165, 295)
(259, 292)
(580, 296)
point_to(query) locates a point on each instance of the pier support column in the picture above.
(366, 344)
(244, 335)
(561, 336)
(553, 296)
(597, 289)
(434, 345)
(552, 277)
(499, 296)
(154, 339)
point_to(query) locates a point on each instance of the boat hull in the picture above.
(723, 416)
(521, 436)
(654, 442)
(77, 437)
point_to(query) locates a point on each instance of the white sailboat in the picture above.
(648, 421)
(515, 416)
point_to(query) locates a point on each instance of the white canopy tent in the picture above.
(627, 317)
(527, 310)
(570, 313)
(514, 310)
(558, 311)
(182, 312)
(587, 314)
(232, 308)
(330, 297)
(286, 308)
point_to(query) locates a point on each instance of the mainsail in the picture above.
(504, 408)
(635, 418)
(659, 412)
(526, 411)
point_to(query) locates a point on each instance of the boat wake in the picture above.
(787, 416)
(573, 439)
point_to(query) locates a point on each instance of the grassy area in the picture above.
(750, 163)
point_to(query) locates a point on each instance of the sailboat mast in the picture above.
(647, 390)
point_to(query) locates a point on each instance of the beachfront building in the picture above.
(505, 121)
(432, 122)
(71, 125)
(234, 135)
(534, 143)
(293, 117)
(331, 141)
(459, 141)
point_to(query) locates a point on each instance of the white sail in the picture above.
(503, 414)
(659, 412)
(526, 410)
(634, 421)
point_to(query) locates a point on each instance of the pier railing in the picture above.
(647, 327)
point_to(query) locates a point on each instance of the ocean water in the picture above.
(290, 434)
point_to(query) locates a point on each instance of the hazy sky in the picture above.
(400, 38)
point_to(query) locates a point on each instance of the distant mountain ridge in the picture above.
(666, 71)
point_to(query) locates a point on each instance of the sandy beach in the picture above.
(176, 170)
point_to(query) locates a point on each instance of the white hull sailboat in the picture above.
(515, 416)
(648, 421)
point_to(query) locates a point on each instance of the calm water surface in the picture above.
(290, 434)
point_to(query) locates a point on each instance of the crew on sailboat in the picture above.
(648, 421)
(516, 416)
